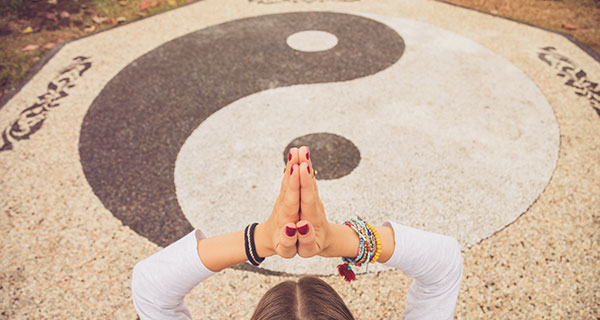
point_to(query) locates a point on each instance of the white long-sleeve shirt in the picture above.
(161, 281)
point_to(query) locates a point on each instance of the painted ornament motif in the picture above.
(31, 119)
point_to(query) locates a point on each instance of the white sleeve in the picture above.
(435, 261)
(161, 281)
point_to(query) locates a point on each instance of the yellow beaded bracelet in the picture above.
(377, 242)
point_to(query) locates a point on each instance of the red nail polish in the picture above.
(307, 155)
(303, 230)
(290, 156)
(308, 168)
(291, 170)
(290, 231)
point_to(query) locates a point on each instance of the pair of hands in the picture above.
(298, 224)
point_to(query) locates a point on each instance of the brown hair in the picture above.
(308, 299)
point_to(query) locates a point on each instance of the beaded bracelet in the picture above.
(363, 249)
(377, 243)
(249, 245)
(371, 243)
(369, 248)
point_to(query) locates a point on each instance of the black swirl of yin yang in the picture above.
(135, 128)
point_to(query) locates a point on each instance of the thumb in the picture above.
(288, 237)
(307, 246)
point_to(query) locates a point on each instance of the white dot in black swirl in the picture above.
(312, 41)
(332, 155)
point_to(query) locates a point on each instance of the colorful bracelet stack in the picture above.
(369, 248)
(250, 246)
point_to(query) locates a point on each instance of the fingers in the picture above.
(287, 241)
(291, 198)
(308, 195)
(304, 155)
(307, 245)
(292, 159)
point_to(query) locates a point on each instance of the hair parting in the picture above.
(308, 299)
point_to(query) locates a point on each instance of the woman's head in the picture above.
(309, 298)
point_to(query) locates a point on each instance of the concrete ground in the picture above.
(432, 115)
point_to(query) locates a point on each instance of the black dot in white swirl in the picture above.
(332, 155)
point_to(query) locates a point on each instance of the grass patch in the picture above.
(16, 7)
(579, 18)
(54, 23)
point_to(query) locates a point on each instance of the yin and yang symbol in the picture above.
(419, 125)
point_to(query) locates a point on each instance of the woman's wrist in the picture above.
(227, 250)
(263, 241)
(343, 241)
(388, 242)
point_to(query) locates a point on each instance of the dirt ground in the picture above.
(579, 18)
(31, 28)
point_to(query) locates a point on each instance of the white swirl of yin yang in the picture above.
(453, 139)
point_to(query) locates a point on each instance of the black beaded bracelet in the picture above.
(250, 246)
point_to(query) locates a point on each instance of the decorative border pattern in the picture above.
(575, 77)
(31, 119)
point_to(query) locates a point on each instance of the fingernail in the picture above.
(290, 231)
(290, 156)
(303, 230)
(308, 168)
(291, 170)
(308, 155)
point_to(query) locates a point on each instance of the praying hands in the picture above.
(297, 225)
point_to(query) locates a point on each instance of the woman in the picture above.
(298, 225)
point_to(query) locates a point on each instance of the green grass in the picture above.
(15, 7)
(14, 64)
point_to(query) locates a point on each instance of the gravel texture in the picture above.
(65, 256)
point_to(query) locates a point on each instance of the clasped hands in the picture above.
(297, 224)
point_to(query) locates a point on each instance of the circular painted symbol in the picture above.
(451, 138)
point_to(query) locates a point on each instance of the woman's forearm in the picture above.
(227, 250)
(160, 282)
(345, 242)
(221, 252)
(435, 261)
